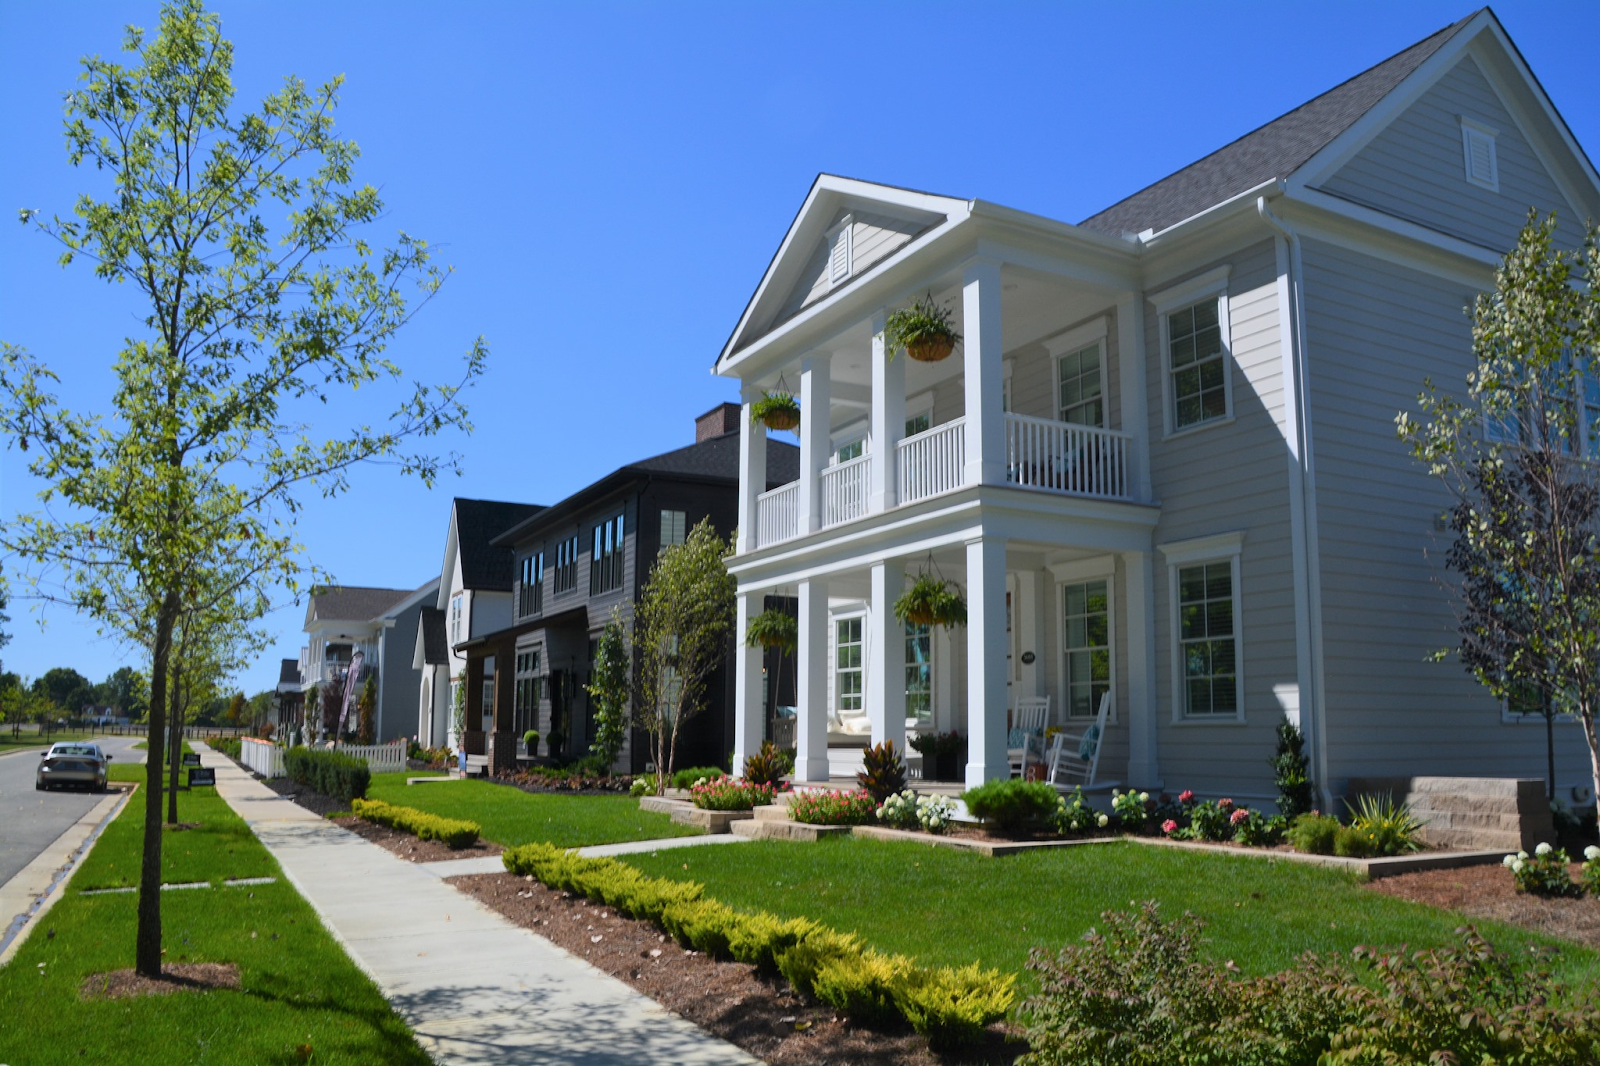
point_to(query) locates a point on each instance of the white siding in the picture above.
(1374, 331)
(875, 237)
(1217, 480)
(1415, 168)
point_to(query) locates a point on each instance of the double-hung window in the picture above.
(1207, 656)
(455, 619)
(1081, 387)
(1086, 645)
(919, 674)
(674, 528)
(605, 565)
(530, 590)
(847, 686)
(566, 573)
(1197, 380)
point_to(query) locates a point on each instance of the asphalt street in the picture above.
(30, 820)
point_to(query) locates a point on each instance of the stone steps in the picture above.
(1470, 812)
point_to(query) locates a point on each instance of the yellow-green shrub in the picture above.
(948, 1006)
(453, 832)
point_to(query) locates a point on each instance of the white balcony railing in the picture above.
(932, 461)
(778, 514)
(844, 490)
(1064, 457)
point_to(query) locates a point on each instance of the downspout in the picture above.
(1302, 504)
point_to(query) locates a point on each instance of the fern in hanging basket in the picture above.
(776, 410)
(932, 602)
(924, 331)
(772, 629)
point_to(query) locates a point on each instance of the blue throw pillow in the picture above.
(1090, 741)
(1018, 737)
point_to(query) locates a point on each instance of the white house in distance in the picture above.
(473, 599)
(382, 625)
(1163, 463)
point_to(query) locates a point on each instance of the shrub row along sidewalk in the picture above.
(455, 832)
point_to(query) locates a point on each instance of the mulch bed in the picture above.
(1488, 892)
(730, 1000)
(409, 847)
(175, 977)
(570, 786)
(311, 800)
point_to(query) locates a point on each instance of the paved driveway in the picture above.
(30, 820)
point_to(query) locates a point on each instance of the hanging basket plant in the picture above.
(776, 410)
(924, 330)
(932, 601)
(772, 629)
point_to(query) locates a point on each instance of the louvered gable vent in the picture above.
(1477, 144)
(840, 241)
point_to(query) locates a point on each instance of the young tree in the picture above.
(1526, 541)
(368, 709)
(253, 322)
(608, 687)
(681, 628)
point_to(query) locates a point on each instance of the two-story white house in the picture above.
(379, 623)
(1162, 464)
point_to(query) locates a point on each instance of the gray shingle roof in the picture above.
(435, 643)
(485, 567)
(353, 603)
(289, 672)
(1275, 150)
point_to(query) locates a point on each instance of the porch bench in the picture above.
(476, 766)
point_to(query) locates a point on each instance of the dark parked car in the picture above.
(75, 763)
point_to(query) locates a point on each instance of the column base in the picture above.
(502, 753)
(474, 741)
(811, 769)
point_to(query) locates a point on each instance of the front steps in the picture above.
(1471, 813)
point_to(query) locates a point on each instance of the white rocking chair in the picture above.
(1031, 716)
(1074, 758)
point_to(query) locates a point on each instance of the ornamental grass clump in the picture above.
(1544, 873)
(731, 794)
(833, 807)
(1379, 826)
(1313, 833)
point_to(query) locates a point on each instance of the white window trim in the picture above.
(1212, 549)
(1094, 333)
(834, 618)
(845, 228)
(1077, 573)
(1213, 283)
(1470, 130)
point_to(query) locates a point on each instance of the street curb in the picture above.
(39, 884)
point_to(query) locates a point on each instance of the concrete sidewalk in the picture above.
(473, 987)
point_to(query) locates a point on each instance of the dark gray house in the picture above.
(579, 559)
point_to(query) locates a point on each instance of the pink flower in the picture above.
(1168, 826)
(1224, 803)
(1239, 815)
(1186, 796)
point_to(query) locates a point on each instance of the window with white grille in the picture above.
(1477, 146)
(840, 250)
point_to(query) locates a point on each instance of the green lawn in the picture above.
(7, 744)
(510, 816)
(299, 987)
(947, 907)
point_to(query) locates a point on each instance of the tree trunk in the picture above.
(147, 942)
(1587, 718)
(174, 747)
(1550, 752)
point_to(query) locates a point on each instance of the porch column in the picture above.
(886, 656)
(888, 419)
(503, 741)
(472, 724)
(752, 474)
(811, 690)
(984, 375)
(986, 660)
(815, 435)
(1135, 396)
(749, 710)
(1144, 768)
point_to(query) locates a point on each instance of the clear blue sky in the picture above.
(609, 181)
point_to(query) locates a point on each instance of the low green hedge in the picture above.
(339, 776)
(454, 832)
(950, 1007)
(229, 746)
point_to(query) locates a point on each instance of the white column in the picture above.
(1135, 410)
(888, 419)
(815, 435)
(886, 655)
(986, 661)
(811, 695)
(1144, 766)
(752, 473)
(749, 709)
(984, 376)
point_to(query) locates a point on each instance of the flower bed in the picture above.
(833, 807)
(731, 794)
(1545, 873)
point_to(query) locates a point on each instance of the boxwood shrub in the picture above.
(453, 832)
(332, 773)
(1012, 805)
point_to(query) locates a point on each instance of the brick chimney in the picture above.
(721, 419)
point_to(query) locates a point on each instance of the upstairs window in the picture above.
(605, 564)
(1477, 149)
(1195, 362)
(1081, 387)
(530, 592)
(674, 528)
(841, 250)
(455, 619)
(566, 573)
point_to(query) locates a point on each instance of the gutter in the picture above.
(1302, 503)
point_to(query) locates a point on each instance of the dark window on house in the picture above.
(525, 709)
(605, 565)
(566, 575)
(674, 528)
(530, 589)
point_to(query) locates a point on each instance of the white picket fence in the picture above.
(262, 756)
